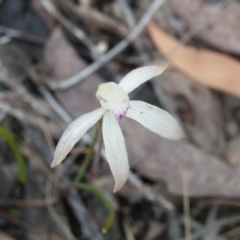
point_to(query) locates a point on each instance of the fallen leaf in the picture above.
(210, 68)
(217, 25)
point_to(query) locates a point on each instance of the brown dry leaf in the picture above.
(207, 67)
(203, 122)
(218, 26)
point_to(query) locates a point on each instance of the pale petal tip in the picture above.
(55, 162)
(163, 67)
(180, 134)
(117, 187)
(53, 165)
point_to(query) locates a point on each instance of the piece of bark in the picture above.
(217, 26)
(199, 109)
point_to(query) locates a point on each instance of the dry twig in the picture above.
(186, 206)
(126, 10)
(67, 83)
(76, 31)
(94, 17)
(12, 33)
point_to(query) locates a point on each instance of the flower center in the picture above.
(113, 97)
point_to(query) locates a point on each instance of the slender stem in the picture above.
(105, 201)
(96, 159)
(87, 159)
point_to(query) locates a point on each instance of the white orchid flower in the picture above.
(115, 105)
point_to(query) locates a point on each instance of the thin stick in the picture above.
(62, 225)
(212, 216)
(76, 31)
(12, 33)
(55, 105)
(127, 13)
(187, 224)
(191, 33)
(91, 16)
(195, 225)
(92, 68)
(218, 224)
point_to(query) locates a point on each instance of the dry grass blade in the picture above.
(210, 68)
(186, 205)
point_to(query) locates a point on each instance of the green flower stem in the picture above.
(87, 159)
(105, 201)
(78, 184)
(22, 176)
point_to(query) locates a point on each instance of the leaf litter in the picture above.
(208, 156)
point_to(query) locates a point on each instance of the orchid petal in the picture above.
(74, 132)
(139, 76)
(155, 119)
(115, 150)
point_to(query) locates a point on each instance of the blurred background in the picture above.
(53, 56)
